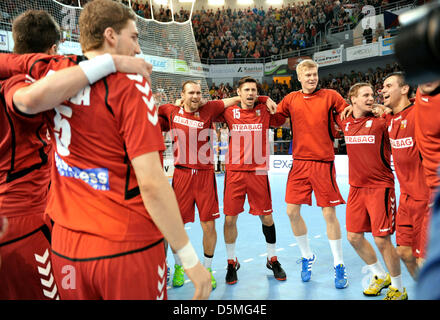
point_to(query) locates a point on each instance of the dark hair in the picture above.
(401, 80)
(244, 80)
(35, 31)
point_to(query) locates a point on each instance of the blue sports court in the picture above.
(256, 282)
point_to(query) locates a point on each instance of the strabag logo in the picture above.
(359, 139)
(402, 143)
(188, 122)
(247, 127)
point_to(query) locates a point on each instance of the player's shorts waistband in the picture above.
(311, 160)
(44, 228)
(178, 166)
(112, 255)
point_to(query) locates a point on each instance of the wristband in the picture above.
(188, 256)
(98, 67)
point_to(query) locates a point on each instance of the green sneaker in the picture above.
(213, 281)
(178, 277)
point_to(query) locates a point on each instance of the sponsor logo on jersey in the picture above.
(97, 178)
(359, 139)
(188, 122)
(403, 124)
(247, 127)
(402, 143)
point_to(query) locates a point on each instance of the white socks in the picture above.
(230, 251)
(396, 282)
(377, 269)
(271, 250)
(303, 244)
(336, 247)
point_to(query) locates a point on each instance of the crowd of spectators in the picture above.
(230, 34)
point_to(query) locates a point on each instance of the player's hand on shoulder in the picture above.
(128, 64)
(271, 106)
(346, 112)
(379, 110)
(201, 278)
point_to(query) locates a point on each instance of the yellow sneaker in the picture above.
(394, 294)
(376, 285)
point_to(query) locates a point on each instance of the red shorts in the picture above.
(409, 222)
(135, 274)
(371, 210)
(196, 187)
(255, 185)
(317, 176)
(26, 271)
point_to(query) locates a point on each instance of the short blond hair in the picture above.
(306, 64)
(354, 90)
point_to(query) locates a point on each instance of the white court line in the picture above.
(317, 236)
(248, 260)
(293, 244)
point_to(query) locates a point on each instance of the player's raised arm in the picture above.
(50, 91)
(161, 203)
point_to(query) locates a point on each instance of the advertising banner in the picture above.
(363, 51)
(328, 57)
(255, 70)
(278, 67)
(387, 46)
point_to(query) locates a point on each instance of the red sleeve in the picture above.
(138, 117)
(339, 122)
(283, 106)
(339, 102)
(277, 120)
(262, 99)
(164, 116)
(220, 118)
(9, 87)
(217, 107)
(34, 63)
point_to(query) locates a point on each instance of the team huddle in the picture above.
(87, 212)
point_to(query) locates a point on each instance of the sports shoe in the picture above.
(394, 294)
(213, 281)
(341, 280)
(275, 266)
(231, 274)
(178, 277)
(306, 271)
(377, 284)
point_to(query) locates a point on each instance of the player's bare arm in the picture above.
(161, 203)
(50, 91)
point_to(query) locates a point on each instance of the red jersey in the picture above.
(12, 64)
(406, 154)
(427, 133)
(369, 152)
(96, 134)
(311, 122)
(25, 157)
(192, 133)
(248, 142)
